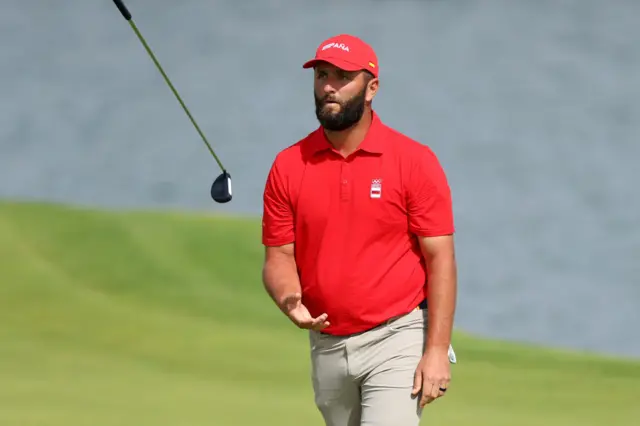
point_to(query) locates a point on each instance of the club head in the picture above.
(221, 188)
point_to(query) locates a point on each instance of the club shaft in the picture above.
(173, 89)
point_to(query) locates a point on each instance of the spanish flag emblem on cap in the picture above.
(372, 65)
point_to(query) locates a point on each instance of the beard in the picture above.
(350, 112)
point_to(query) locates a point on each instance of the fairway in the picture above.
(146, 318)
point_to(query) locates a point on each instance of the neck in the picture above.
(347, 141)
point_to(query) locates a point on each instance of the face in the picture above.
(341, 96)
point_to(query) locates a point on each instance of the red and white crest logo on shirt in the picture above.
(376, 188)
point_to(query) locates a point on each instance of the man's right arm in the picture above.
(280, 274)
(280, 271)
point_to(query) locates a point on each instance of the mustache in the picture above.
(327, 99)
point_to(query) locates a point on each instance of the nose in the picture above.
(328, 88)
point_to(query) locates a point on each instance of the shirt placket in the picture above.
(345, 182)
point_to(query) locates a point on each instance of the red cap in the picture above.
(346, 52)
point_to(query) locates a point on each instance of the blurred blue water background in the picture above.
(532, 106)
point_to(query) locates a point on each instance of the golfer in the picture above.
(358, 229)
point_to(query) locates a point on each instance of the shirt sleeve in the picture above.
(277, 217)
(429, 202)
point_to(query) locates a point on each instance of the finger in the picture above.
(441, 392)
(425, 399)
(430, 392)
(319, 320)
(426, 393)
(442, 389)
(322, 326)
(417, 382)
(435, 390)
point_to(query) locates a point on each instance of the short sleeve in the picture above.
(277, 217)
(429, 201)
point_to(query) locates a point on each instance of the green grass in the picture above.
(141, 318)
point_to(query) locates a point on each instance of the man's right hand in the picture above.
(292, 306)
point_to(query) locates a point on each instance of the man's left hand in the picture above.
(433, 374)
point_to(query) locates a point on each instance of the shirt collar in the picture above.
(373, 141)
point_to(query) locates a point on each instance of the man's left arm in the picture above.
(439, 255)
(429, 205)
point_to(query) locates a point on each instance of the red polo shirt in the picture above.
(354, 222)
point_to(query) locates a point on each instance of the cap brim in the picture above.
(340, 63)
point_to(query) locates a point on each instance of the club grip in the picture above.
(123, 9)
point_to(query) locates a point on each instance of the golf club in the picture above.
(221, 187)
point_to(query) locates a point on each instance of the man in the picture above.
(358, 230)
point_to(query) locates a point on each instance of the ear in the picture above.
(372, 89)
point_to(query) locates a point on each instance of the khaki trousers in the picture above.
(366, 379)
